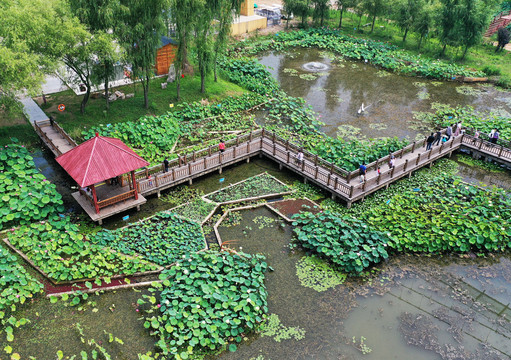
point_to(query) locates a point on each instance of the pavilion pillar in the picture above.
(95, 198)
(134, 183)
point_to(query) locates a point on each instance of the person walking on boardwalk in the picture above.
(299, 157)
(457, 129)
(363, 170)
(448, 132)
(495, 137)
(392, 161)
(438, 137)
(490, 135)
(165, 165)
(221, 146)
(429, 141)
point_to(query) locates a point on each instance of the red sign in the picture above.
(61, 107)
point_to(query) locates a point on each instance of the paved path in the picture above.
(32, 110)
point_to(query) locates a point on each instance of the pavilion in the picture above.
(104, 169)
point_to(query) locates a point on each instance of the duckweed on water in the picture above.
(301, 190)
(274, 328)
(317, 274)
(264, 222)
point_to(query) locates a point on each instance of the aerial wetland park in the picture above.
(191, 179)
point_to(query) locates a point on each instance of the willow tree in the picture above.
(374, 8)
(143, 25)
(407, 13)
(184, 14)
(321, 9)
(342, 5)
(225, 13)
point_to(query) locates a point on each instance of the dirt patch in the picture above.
(291, 207)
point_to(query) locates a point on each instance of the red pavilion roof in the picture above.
(98, 159)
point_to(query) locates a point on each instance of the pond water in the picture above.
(441, 304)
(336, 94)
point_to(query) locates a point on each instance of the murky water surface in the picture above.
(411, 308)
(337, 94)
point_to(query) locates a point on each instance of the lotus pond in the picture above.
(336, 94)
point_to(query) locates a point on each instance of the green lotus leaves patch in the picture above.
(207, 299)
(259, 185)
(26, 194)
(16, 284)
(346, 242)
(60, 251)
(445, 215)
(162, 239)
(274, 328)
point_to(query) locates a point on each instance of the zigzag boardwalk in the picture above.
(341, 184)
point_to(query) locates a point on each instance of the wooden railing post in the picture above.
(193, 155)
(441, 147)
(332, 168)
(173, 174)
(418, 159)
(303, 165)
(189, 168)
(205, 163)
(209, 150)
(392, 172)
(429, 153)
(316, 160)
(413, 146)
(220, 157)
(250, 136)
(288, 156)
(401, 154)
(287, 145)
(351, 191)
(406, 165)
(248, 145)
(349, 178)
(273, 137)
(237, 140)
(501, 148)
(480, 144)
(146, 172)
(335, 183)
(234, 152)
(274, 148)
(328, 180)
(378, 179)
(316, 173)
(179, 158)
(364, 185)
(156, 180)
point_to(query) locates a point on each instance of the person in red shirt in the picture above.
(221, 146)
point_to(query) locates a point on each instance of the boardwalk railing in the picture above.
(341, 183)
(38, 126)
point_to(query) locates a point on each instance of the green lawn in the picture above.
(479, 57)
(131, 109)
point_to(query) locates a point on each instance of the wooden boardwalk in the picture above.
(341, 184)
(54, 137)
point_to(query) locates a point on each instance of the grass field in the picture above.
(131, 109)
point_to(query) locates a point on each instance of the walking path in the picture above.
(32, 110)
(340, 183)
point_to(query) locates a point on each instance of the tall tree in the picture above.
(24, 59)
(407, 12)
(143, 25)
(425, 20)
(321, 8)
(374, 8)
(300, 8)
(203, 38)
(342, 5)
(225, 16)
(184, 14)
(101, 18)
(447, 18)
(473, 19)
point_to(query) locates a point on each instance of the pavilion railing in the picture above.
(116, 199)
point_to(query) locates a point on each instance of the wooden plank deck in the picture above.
(340, 183)
(55, 138)
(109, 210)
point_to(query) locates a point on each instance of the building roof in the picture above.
(98, 159)
(167, 40)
